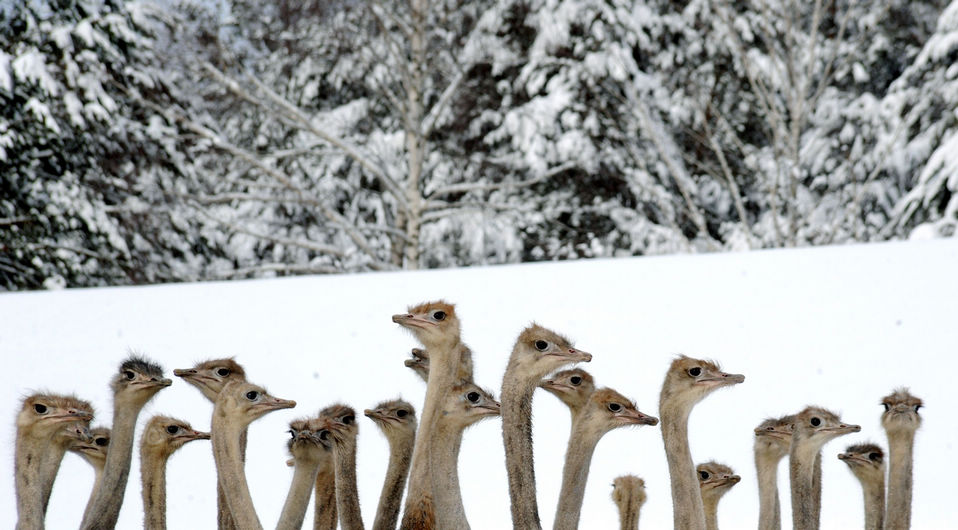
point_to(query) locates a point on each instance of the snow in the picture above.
(42, 114)
(31, 66)
(6, 82)
(84, 30)
(835, 326)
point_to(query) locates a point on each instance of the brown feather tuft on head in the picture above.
(428, 307)
(536, 332)
(228, 362)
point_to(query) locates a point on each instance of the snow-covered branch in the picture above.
(280, 268)
(432, 118)
(441, 211)
(510, 184)
(6, 221)
(671, 156)
(301, 243)
(296, 114)
(220, 143)
(229, 197)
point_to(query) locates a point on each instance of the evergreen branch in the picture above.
(75, 250)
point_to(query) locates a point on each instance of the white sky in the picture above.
(838, 327)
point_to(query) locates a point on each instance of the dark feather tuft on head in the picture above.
(142, 365)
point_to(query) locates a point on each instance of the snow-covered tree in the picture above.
(924, 104)
(242, 138)
(775, 107)
(84, 170)
(335, 141)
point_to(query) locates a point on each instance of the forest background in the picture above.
(167, 141)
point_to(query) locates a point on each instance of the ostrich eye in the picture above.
(575, 380)
(874, 457)
(887, 406)
(402, 413)
(704, 475)
(40, 408)
(324, 435)
(348, 419)
(815, 422)
(541, 345)
(252, 395)
(473, 397)
(223, 372)
(695, 372)
(172, 429)
(129, 375)
(439, 315)
(615, 407)
(102, 442)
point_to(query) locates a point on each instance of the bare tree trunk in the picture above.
(415, 142)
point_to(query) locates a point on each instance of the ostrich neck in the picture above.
(629, 515)
(450, 511)
(105, 509)
(769, 509)
(224, 520)
(153, 477)
(29, 453)
(575, 474)
(443, 366)
(347, 495)
(900, 454)
(297, 500)
(873, 492)
(50, 466)
(517, 438)
(688, 512)
(805, 472)
(710, 503)
(229, 467)
(97, 476)
(325, 516)
(400, 457)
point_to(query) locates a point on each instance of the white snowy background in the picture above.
(838, 327)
